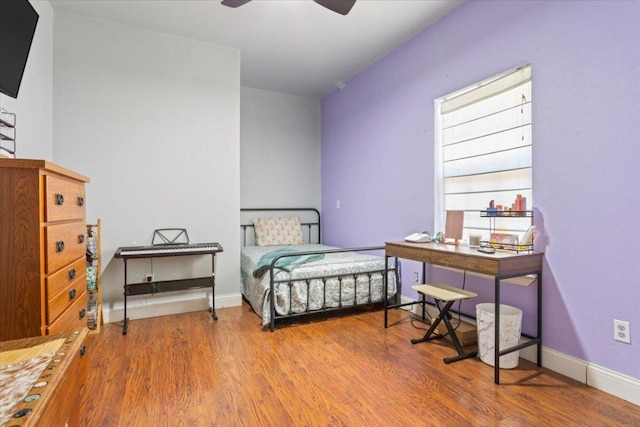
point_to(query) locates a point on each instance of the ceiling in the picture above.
(291, 46)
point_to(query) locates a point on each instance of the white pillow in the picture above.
(278, 231)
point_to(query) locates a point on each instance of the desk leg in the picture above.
(385, 286)
(496, 331)
(126, 319)
(539, 355)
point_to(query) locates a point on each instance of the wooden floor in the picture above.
(188, 370)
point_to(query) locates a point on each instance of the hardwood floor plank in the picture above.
(348, 370)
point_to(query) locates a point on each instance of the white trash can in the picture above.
(510, 329)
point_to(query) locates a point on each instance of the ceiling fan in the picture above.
(339, 6)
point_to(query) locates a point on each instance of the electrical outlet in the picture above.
(416, 277)
(148, 277)
(621, 331)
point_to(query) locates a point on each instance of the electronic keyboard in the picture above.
(168, 250)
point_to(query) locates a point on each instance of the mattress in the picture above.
(334, 280)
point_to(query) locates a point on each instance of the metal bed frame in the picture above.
(310, 225)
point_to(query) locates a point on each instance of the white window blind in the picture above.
(483, 151)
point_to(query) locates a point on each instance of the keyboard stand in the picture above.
(143, 288)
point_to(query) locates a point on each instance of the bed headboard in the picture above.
(309, 221)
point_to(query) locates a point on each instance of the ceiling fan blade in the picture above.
(234, 3)
(340, 6)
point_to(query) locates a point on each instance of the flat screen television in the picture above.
(18, 21)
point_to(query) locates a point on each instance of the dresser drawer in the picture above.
(58, 303)
(75, 317)
(65, 199)
(64, 243)
(61, 279)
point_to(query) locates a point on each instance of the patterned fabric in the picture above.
(341, 271)
(285, 263)
(92, 278)
(278, 231)
(19, 375)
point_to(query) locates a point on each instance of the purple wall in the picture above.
(377, 155)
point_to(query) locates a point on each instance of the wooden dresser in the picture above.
(42, 379)
(43, 286)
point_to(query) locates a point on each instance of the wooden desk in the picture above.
(501, 265)
(42, 378)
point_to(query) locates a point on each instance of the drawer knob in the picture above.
(59, 199)
(59, 246)
(80, 238)
(72, 274)
(80, 201)
(22, 413)
(83, 350)
(72, 294)
(82, 313)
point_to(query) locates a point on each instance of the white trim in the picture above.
(611, 382)
(486, 88)
(438, 174)
(438, 181)
(595, 376)
(561, 363)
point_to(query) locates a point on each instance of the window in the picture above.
(483, 149)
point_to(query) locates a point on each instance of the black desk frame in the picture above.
(143, 288)
(500, 265)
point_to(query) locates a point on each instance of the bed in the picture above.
(287, 272)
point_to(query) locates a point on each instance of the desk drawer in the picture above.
(75, 317)
(465, 262)
(57, 304)
(65, 199)
(65, 243)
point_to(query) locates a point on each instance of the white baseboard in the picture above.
(229, 300)
(600, 378)
(162, 305)
(619, 385)
(561, 363)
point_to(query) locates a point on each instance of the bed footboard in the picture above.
(338, 291)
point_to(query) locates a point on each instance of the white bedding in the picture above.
(323, 293)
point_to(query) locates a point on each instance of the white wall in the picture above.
(33, 107)
(154, 121)
(279, 150)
